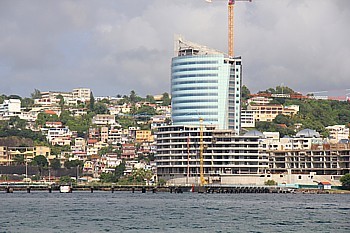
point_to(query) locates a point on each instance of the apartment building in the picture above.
(8, 154)
(103, 119)
(128, 151)
(143, 136)
(104, 134)
(55, 134)
(10, 108)
(338, 133)
(269, 112)
(81, 94)
(247, 119)
(259, 100)
(224, 153)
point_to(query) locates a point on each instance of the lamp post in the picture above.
(77, 173)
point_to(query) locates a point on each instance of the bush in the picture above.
(345, 180)
(270, 182)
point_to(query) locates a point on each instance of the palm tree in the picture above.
(148, 175)
(19, 160)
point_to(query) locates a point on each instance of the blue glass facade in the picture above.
(206, 86)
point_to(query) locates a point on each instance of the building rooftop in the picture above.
(308, 133)
(184, 48)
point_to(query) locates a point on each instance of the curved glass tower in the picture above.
(205, 84)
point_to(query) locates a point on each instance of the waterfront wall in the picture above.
(291, 179)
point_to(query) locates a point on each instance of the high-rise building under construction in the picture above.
(205, 84)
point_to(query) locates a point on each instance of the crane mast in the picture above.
(201, 150)
(230, 28)
(231, 5)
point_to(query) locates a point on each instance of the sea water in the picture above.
(170, 212)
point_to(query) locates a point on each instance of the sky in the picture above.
(115, 46)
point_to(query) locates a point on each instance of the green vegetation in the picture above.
(166, 99)
(80, 124)
(345, 180)
(19, 160)
(115, 176)
(45, 117)
(73, 164)
(138, 176)
(16, 127)
(55, 164)
(66, 180)
(161, 182)
(100, 108)
(40, 161)
(108, 178)
(270, 182)
(36, 94)
(313, 114)
(56, 150)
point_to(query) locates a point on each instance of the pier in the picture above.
(12, 187)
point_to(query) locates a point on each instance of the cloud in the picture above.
(114, 47)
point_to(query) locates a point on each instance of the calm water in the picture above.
(165, 212)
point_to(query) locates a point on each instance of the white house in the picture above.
(11, 107)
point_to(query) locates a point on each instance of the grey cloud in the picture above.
(116, 46)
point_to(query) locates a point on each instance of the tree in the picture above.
(57, 150)
(61, 102)
(73, 163)
(166, 99)
(14, 97)
(40, 161)
(283, 119)
(36, 94)
(17, 123)
(148, 175)
(345, 181)
(19, 160)
(65, 180)
(55, 164)
(108, 178)
(119, 170)
(150, 98)
(2, 98)
(92, 102)
(270, 182)
(245, 92)
(100, 108)
(146, 110)
(105, 150)
(44, 117)
(161, 182)
(27, 102)
(138, 175)
(133, 97)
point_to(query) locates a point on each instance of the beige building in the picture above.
(338, 132)
(81, 94)
(269, 112)
(103, 119)
(8, 154)
(104, 134)
(143, 136)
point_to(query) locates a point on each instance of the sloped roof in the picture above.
(254, 133)
(308, 133)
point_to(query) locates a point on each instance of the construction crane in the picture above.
(201, 150)
(230, 4)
